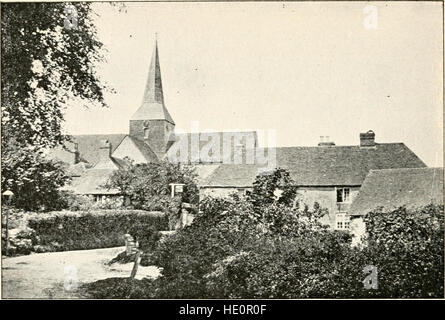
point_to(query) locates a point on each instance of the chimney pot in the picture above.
(367, 139)
(324, 142)
(105, 149)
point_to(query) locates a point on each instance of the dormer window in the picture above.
(343, 195)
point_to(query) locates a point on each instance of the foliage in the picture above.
(34, 179)
(44, 66)
(76, 202)
(119, 288)
(231, 251)
(407, 247)
(66, 230)
(273, 187)
(148, 186)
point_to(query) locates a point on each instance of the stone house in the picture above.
(328, 174)
(390, 189)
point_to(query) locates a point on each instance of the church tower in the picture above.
(152, 122)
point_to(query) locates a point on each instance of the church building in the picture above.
(328, 174)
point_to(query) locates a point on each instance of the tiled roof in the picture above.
(394, 188)
(145, 149)
(323, 166)
(88, 146)
(232, 175)
(76, 170)
(92, 182)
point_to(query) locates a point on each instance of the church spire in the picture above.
(153, 107)
(153, 88)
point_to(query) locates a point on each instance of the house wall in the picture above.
(327, 198)
(221, 192)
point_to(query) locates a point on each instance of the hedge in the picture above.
(80, 230)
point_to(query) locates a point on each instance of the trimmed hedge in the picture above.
(80, 230)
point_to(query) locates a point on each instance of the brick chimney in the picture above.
(325, 142)
(104, 150)
(367, 139)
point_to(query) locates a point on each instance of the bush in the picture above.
(227, 253)
(76, 202)
(66, 230)
(119, 288)
(407, 247)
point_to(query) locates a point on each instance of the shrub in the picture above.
(66, 230)
(119, 288)
(230, 252)
(407, 247)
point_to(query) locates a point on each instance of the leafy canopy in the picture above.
(44, 65)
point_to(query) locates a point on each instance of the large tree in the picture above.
(45, 63)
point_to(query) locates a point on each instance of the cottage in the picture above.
(393, 188)
(328, 174)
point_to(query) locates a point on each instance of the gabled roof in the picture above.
(393, 188)
(153, 107)
(88, 146)
(321, 166)
(343, 165)
(145, 149)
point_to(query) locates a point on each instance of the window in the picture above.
(146, 125)
(343, 195)
(342, 221)
(243, 191)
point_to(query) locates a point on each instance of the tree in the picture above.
(43, 66)
(273, 187)
(148, 185)
(407, 247)
(34, 179)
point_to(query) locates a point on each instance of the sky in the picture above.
(303, 69)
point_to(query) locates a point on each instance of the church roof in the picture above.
(145, 149)
(248, 139)
(321, 166)
(88, 146)
(153, 107)
(393, 188)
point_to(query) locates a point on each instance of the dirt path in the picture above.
(57, 275)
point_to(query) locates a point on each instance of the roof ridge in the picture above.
(405, 169)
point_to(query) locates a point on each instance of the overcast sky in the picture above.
(303, 69)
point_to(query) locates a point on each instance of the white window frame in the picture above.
(342, 221)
